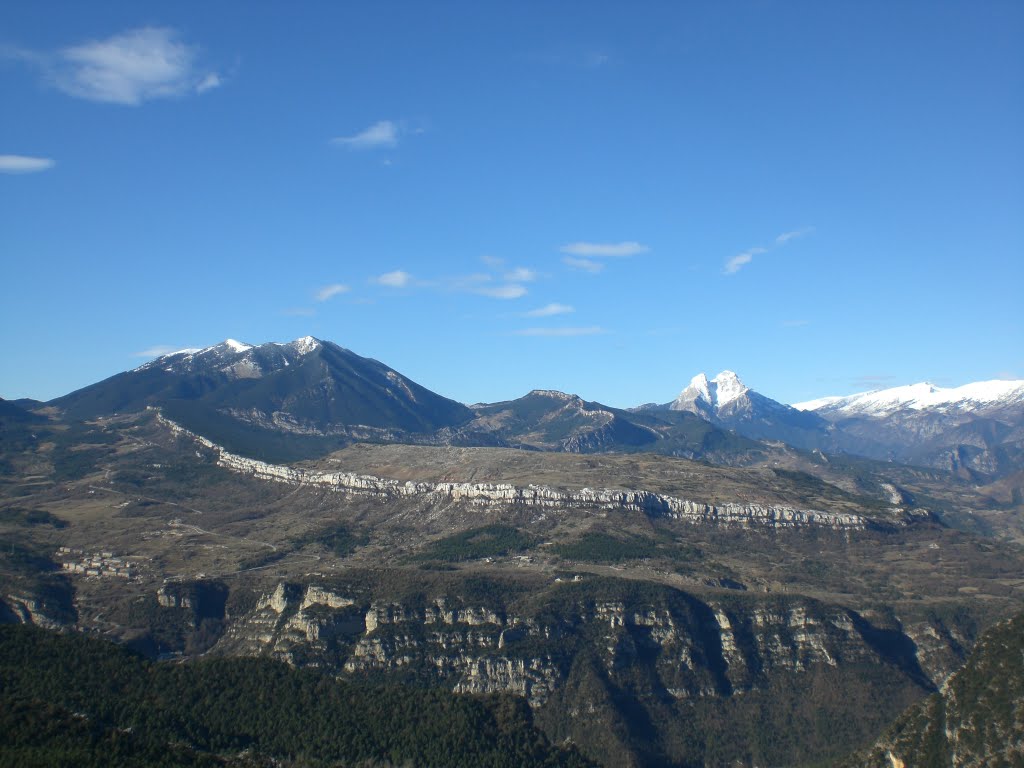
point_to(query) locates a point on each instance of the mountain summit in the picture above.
(702, 395)
(727, 402)
(306, 386)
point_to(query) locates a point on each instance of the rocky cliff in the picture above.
(537, 496)
(599, 649)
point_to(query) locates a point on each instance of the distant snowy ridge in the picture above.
(921, 397)
(233, 349)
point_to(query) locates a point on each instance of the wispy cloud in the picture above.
(521, 275)
(129, 68)
(492, 261)
(24, 164)
(549, 310)
(396, 279)
(740, 260)
(507, 291)
(591, 330)
(585, 265)
(208, 83)
(627, 248)
(381, 134)
(795, 323)
(785, 237)
(330, 291)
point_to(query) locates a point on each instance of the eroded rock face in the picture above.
(534, 496)
(696, 649)
(28, 609)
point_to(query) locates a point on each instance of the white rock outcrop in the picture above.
(534, 496)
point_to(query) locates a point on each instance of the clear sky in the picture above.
(491, 197)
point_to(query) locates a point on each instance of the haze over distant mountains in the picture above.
(324, 393)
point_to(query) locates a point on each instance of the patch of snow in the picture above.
(821, 402)
(305, 345)
(728, 387)
(237, 346)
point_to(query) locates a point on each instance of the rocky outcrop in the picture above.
(696, 649)
(533, 496)
(29, 609)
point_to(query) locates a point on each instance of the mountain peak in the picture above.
(554, 394)
(728, 387)
(235, 346)
(304, 346)
(714, 394)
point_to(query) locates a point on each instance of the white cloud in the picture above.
(628, 248)
(740, 260)
(785, 237)
(592, 330)
(521, 275)
(208, 83)
(330, 291)
(381, 134)
(550, 310)
(130, 68)
(508, 291)
(396, 279)
(587, 265)
(492, 261)
(24, 164)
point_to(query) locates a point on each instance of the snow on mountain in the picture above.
(236, 346)
(920, 397)
(716, 393)
(244, 360)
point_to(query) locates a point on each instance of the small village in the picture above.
(97, 564)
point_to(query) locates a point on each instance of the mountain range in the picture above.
(776, 602)
(321, 396)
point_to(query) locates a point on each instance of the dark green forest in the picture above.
(69, 700)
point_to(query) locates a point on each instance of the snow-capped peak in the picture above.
(919, 397)
(717, 392)
(728, 387)
(699, 387)
(236, 346)
(302, 346)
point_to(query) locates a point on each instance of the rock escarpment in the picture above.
(534, 496)
(583, 651)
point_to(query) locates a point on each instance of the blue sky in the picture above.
(492, 197)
